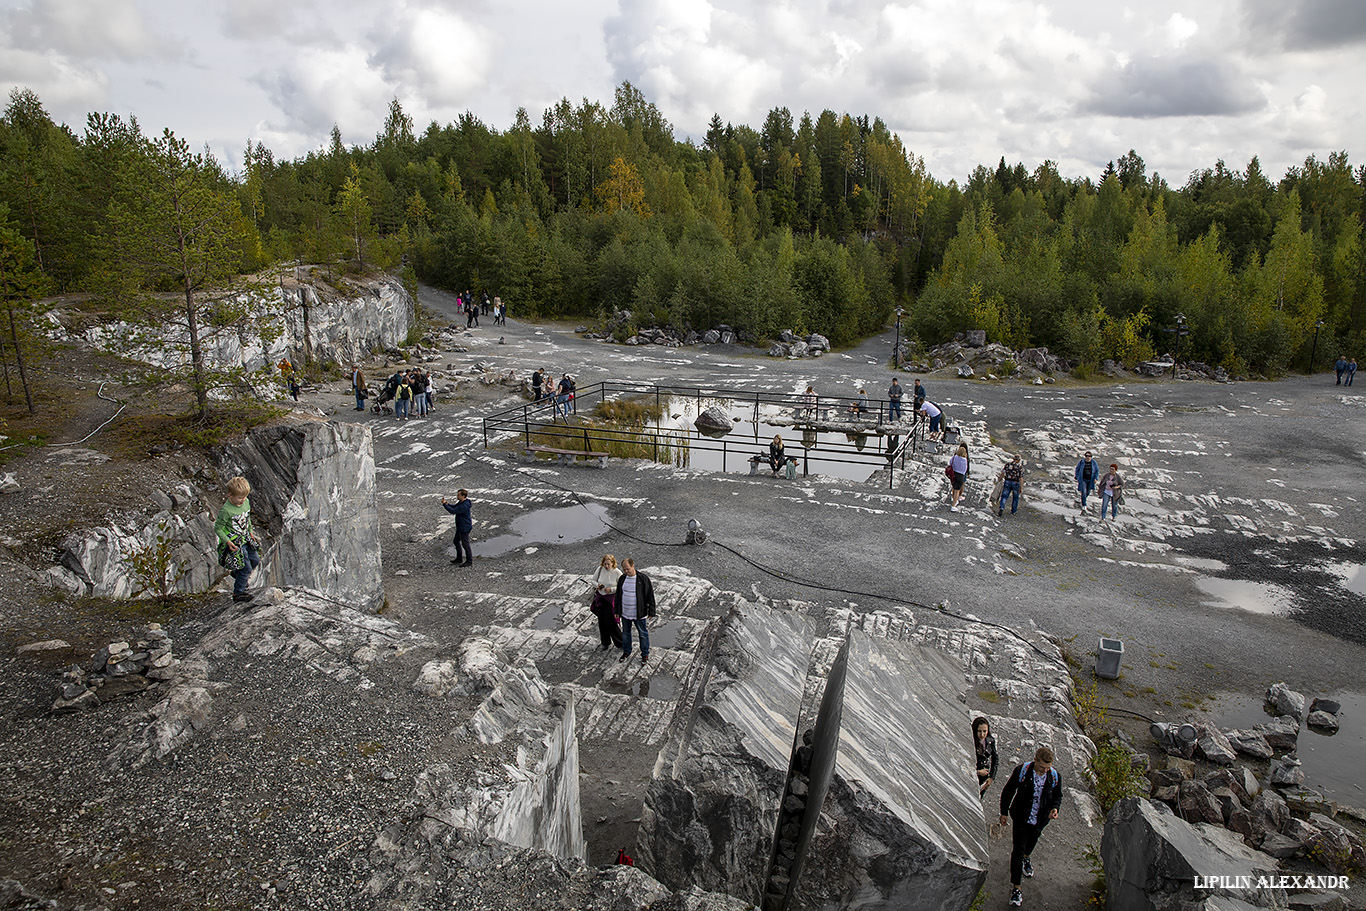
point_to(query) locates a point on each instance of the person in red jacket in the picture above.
(1031, 799)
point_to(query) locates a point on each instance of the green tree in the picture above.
(21, 284)
(175, 225)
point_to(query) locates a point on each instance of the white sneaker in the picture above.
(953, 509)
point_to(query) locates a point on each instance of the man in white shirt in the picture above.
(636, 602)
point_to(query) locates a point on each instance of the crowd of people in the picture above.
(467, 303)
(409, 391)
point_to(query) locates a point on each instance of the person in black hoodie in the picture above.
(1031, 798)
(985, 745)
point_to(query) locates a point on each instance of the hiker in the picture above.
(1351, 371)
(463, 524)
(1012, 481)
(809, 402)
(403, 398)
(985, 744)
(917, 396)
(604, 604)
(237, 540)
(358, 387)
(1340, 367)
(566, 395)
(894, 392)
(958, 470)
(536, 380)
(1087, 473)
(635, 605)
(1030, 799)
(1111, 491)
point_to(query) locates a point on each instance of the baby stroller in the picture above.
(386, 396)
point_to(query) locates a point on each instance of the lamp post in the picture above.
(1315, 350)
(1180, 331)
(896, 348)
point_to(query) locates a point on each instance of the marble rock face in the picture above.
(1151, 857)
(906, 833)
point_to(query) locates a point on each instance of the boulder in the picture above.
(1323, 720)
(1280, 733)
(713, 420)
(1269, 813)
(1286, 771)
(711, 337)
(1196, 803)
(1184, 767)
(975, 338)
(964, 370)
(798, 348)
(818, 342)
(1151, 858)
(1339, 848)
(1250, 743)
(1319, 901)
(899, 829)
(1285, 701)
(777, 350)
(1214, 745)
(9, 483)
(1331, 706)
(727, 337)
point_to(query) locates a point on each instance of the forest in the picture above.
(822, 224)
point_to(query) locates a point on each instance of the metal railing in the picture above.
(549, 420)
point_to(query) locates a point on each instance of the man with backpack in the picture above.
(1030, 799)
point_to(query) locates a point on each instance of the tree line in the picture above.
(820, 224)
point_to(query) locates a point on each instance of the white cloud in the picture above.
(1180, 29)
(435, 55)
(315, 88)
(89, 28)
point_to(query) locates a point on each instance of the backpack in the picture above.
(624, 859)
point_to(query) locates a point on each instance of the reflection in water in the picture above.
(564, 525)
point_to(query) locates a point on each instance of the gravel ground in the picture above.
(280, 808)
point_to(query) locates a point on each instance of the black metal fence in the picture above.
(553, 422)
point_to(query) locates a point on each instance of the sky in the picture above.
(962, 82)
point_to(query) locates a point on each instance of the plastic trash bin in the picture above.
(1109, 655)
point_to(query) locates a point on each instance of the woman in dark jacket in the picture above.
(777, 456)
(985, 743)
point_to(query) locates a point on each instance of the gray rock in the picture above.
(901, 823)
(777, 350)
(1322, 720)
(437, 678)
(1198, 804)
(817, 342)
(160, 500)
(711, 337)
(1279, 846)
(1214, 745)
(47, 645)
(1318, 901)
(1331, 706)
(1285, 701)
(964, 370)
(727, 337)
(1151, 857)
(1280, 733)
(86, 699)
(9, 484)
(713, 420)
(1269, 812)
(1185, 767)
(1250, 743)
(1286, 771)
(798, 348)
(975, 338)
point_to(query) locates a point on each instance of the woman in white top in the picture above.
(604, 601)
(959, 469)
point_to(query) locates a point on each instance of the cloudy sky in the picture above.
(962, 81)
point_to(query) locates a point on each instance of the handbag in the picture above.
(948, 471)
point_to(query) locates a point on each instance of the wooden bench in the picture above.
(567, 455)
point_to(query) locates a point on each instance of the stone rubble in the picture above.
(118, 669)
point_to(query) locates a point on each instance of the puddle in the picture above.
(547, 619)
(1353, 575)
(1331, 762)
(660, 686)
(666, 634)
(565, 525)
(1257, 597)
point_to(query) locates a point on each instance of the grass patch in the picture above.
(224, 423)
(989, 696)
(632, 412)
(369, 747)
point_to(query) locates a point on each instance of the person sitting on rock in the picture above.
(860, 406)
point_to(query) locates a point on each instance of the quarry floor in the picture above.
(1249, 491)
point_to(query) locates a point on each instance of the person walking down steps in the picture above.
(635, 604)
(237, 540)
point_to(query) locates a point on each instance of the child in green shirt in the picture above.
(236, 539)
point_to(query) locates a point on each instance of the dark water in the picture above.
(1331, 762)
(563, 525)
(645, 686)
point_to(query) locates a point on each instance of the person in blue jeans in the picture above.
(1351, 371)
(894, 393)
(635, 604)
(1013, 475)
(463, 524)
(1111, 492)
(1340, 365)
(237, 540)
(1087, 473)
